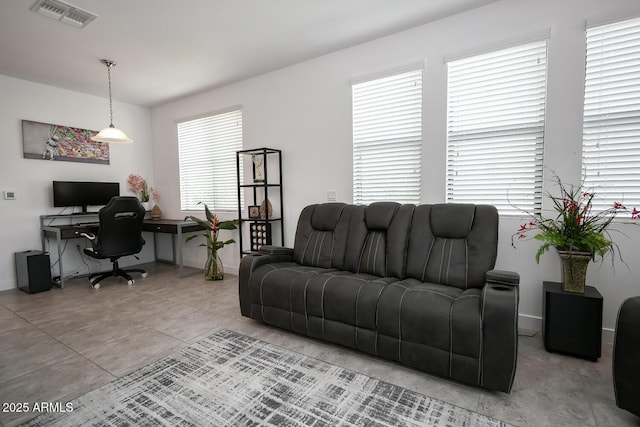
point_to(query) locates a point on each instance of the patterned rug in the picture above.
(229, 379)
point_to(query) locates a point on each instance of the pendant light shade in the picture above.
(111, 133)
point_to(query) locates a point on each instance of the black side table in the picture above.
(572, 322)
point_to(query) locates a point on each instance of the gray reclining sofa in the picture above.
(413, 284)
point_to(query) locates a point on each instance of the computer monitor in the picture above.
(83, 194)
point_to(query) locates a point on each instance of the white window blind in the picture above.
(611, 122)
(207, 149)
(387, 138)
(495, 128)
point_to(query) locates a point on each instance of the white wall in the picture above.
(305, 110)
(31, 179)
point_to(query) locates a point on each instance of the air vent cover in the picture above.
(64, 12)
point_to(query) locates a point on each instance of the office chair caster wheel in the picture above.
(145, 274)
(130, 282)
(96, 286)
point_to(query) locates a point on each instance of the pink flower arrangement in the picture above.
(575, 226)
(139, 186)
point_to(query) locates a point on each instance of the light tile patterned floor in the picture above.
(57, 345)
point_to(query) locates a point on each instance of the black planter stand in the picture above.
(572, 322)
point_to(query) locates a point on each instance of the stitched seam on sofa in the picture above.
(319, 251)
(375, 345)
(315, 248)
(426, 261)
(306, 313)
(451, 243)
(379, 237)
(466, 264)
(261, 297)
(306, 246)
(444, 246)
(324, 285)
(356, 310)
(451, 334)
(433, 292)
(400, 324)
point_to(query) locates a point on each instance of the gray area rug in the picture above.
(229, 379)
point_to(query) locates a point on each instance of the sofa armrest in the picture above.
(249, 263)
(503, 277)
(275, 250)
(500, 297)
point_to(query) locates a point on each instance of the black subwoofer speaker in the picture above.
(33, 271)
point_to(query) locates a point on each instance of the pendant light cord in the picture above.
(109, 65)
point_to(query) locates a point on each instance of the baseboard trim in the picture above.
(534, 323)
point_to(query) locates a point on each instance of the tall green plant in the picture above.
(213, 226)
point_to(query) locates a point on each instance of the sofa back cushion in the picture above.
(378, 235)
(452, 244)
(321, 235)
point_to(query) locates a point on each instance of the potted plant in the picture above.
(138, 185)
(576, 230)
(213, 269)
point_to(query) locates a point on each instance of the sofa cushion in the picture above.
(452, 244)
(278, 294)
(321, 236)
(431, 327)
(342, 307)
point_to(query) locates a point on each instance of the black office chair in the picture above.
(120, 234)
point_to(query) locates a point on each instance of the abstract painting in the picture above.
(62, 143)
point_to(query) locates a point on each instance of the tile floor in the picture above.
(57, 345)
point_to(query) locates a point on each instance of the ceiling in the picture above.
(166, 49)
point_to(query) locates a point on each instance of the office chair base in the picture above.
(96, 278)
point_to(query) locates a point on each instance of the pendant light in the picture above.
(111, 133)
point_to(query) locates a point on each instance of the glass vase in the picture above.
(213, 269)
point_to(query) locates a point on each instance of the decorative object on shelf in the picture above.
(260, 235)
(577, 231)
(214, 270)
(254, 211)
(266, 209)
(156, 214)
(111, 133)
(139, 186)
(258, 161)
(45, 141)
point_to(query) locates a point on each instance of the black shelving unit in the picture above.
(262, 190)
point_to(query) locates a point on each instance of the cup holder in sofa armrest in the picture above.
(275, 250)
(501, 288)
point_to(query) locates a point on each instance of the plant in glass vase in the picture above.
(214, 269)
(576, 230)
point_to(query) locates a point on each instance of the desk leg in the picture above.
(60, 268)
(177, 251)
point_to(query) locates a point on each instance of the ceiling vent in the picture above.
(64, 12)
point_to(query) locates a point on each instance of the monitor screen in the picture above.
(83, 194)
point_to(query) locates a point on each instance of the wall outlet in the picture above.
(9, 195)
(331, 196)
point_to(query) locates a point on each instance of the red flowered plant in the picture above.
(576, 226)
(213, 225)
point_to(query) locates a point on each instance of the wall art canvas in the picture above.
(62, 143)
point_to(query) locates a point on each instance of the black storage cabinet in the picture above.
(572, 322)
(33, 271)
